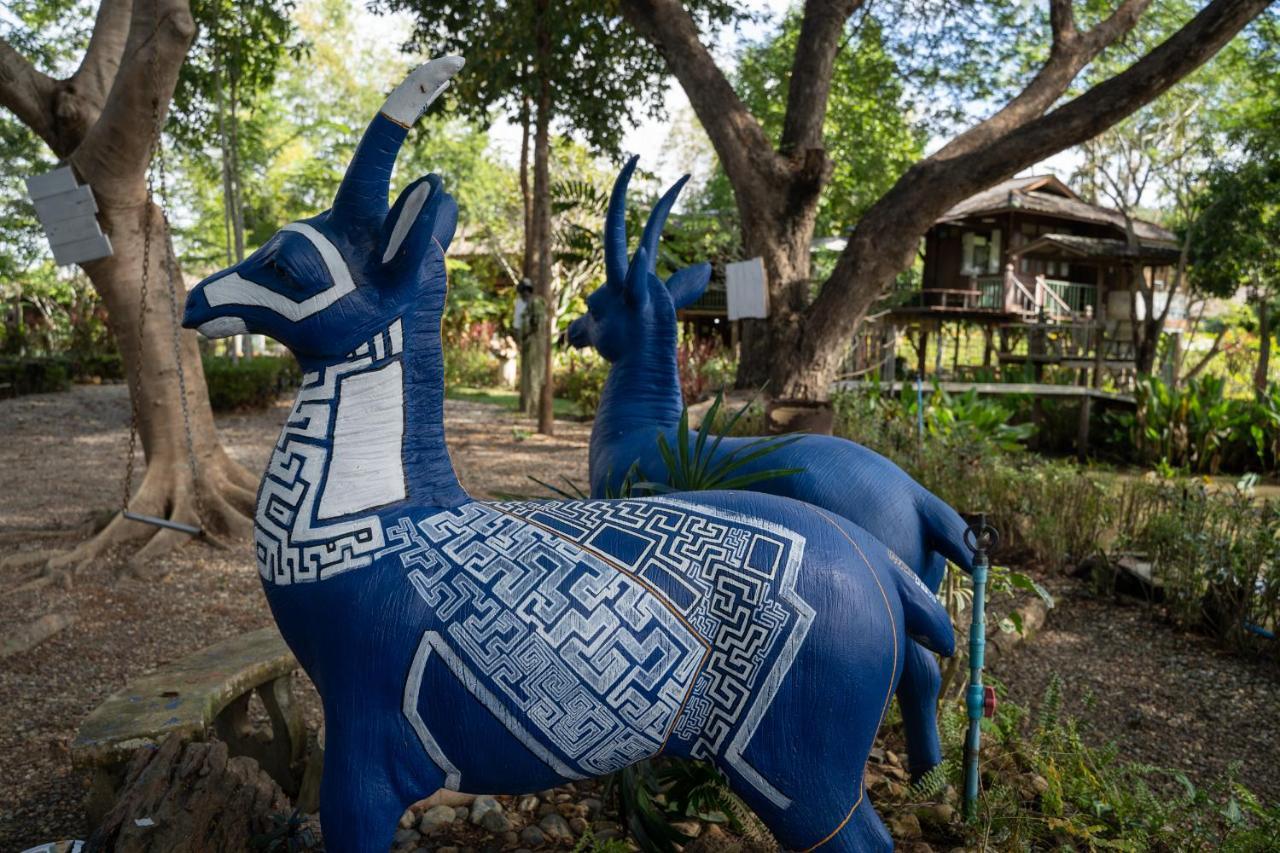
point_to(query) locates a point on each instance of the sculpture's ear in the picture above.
(636, 285)
(688, 285)
(423, 213)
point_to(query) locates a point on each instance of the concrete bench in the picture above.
(203, 693)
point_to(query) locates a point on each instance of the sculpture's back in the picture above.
(504, 647)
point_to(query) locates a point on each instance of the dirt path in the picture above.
(1164, 697)
(61, 461)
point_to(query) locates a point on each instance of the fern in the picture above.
(931, 785)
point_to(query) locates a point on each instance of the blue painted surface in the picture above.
(631, 321)
(505, 647)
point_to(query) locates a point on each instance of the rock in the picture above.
(546, 809)
(532, 836)
(593, 807)
(1040, 784)
(691, 828)
(435, 819)
(568, 810)
(510, 839)
(556, 828)
(461, 813)
(578, 825)
(405, 837)
(527, 805)
(29, 636)
(495, 821)
(607, 834)
(936, 815)
(892, 758)
(446, 850)
(905, 827)
(482, 806)
(406, 819)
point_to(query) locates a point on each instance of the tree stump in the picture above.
(190, 798)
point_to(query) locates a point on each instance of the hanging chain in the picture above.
(177, 347)
(156, 167)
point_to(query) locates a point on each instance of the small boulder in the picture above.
(436, 818)
(556, 828)
(532, 836)
(495, 821)
(482, 806)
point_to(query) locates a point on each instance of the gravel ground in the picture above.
(1163, 696)
(61, 463)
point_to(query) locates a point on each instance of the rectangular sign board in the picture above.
(745, 288)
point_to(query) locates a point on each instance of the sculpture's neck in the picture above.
(641, 393)
(383, 422)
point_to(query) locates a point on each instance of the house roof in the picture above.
(1097, 248)
(1048, 195)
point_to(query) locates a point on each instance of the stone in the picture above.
(568, 810)
(527, 805)
(436, 818)
(546, 809)
(446, 850)
(555, 827)
(532, 836)
(405, 837)
(510, 839)
(495, 821)
(691, 828)
(905, 827)
(593, 807)
(406, 819)
(940, 814)
(461, 813)
(482, 806)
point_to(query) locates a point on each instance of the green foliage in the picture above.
(1196, 427)
(693, 465)
(250, 383)
(20, 376)
(583, 383)
(1046, 788)
(468, 362)
(1214, 552)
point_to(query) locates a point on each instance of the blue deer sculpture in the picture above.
(509, 647)
(635, 330)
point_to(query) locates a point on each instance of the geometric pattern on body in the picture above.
(609, 627)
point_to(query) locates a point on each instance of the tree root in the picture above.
(223, 511)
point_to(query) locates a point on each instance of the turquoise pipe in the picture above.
(976, 700)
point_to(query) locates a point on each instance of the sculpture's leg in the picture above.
(360, 805)
(861, 832)
(918, 701)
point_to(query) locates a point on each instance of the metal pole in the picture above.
(979, 699)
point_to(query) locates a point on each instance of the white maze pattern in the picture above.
(293, 543)
(610, 627)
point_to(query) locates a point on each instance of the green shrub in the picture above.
(251, 383)
(33, 375)
(1197, 427)
(470, 363)
(583, 383)
(96, 365)
(1215, 553)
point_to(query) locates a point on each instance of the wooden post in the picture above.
(920, 353)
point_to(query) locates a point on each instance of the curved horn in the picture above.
(363, 193)
(658, 219)
(615, 227)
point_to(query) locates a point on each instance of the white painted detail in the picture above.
(234, 290)
(452, 776)
(408, 215)
(396, 333)
(366, 469)
(222, 327)
(410, 99)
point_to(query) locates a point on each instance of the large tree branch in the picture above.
(740, 142)
(27, 92)
(1070, 53)
(117, 149)
(97, 70)
(886, 237)
(811, 71)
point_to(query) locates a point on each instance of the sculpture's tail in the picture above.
(945, 529)
(927, 620)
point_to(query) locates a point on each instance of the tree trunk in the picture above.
(1264, 346)
(542, 221)
(103, 121)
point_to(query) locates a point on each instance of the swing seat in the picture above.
(189, 529)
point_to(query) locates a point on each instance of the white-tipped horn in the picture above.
(408, 101)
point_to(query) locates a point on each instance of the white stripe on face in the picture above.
(234, 290)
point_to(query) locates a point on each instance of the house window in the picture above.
(981, 253)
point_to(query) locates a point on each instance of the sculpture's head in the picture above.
(324, 285)
(634, 304)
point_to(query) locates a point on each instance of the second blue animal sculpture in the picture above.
(633, 325)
